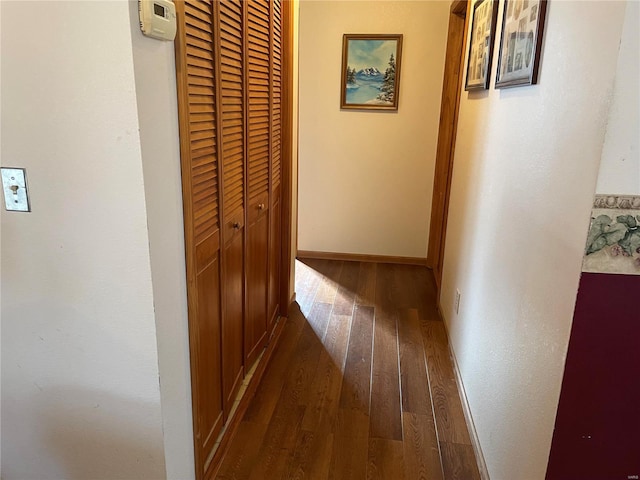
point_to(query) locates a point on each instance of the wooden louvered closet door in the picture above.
(232, 138)
(229, 75)
(257, 62)
(196, 78)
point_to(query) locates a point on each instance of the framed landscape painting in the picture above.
(370, 71)
(520, 42)
(483, 33)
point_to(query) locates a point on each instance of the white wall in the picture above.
(80, 393)
(155, 78)
(526, 163)
(620, 166)
(366, 178)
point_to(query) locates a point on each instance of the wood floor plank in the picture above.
(414, 383)
(318, 318)
(279, 441)
(356, 384)
(386, 289)
(244, 451)
(336, 340)
(300, 373)
(351, 425)
(311, 457)
(386, 460)
(386, 418)
(385, 343)
(307, 283)
(402, 293)
(324, 394)
(264, 402)
(421, 450)
(303, 278)
(366, 290)
(329, 285)
(459, 462)
(423, 286)
(448, 412)
(350, 451)
(346, 294)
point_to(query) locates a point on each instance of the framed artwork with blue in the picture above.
(370, 71)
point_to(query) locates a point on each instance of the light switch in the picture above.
(14, 185)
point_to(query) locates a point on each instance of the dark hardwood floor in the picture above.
(361, 385)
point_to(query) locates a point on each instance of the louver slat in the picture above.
(258, 84)
(232, 90)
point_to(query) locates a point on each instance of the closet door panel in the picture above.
(257, 258)
(232, 109)
(274, 264)
(196, 77)
(257, 60)
(232, 328)
(229, 29)
(209, 371)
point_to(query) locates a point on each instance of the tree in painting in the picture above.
(387, 90)
(351, 76)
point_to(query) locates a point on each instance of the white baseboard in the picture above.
(475, 441)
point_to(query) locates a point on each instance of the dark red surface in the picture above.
(597, 432)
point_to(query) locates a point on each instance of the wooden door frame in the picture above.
(287, 156)
(451, 89)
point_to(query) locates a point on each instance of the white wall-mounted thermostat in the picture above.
(158, 19)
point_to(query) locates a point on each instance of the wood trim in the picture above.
(357, 257)
(466, 409)
(244, 25)
(234, 422)
(459, 8)
(270, 191)
(447, 138)
(286, 166)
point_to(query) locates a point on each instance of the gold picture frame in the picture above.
(370, 71)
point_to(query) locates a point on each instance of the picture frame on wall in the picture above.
(481, 40)
(370, 71)
(520, 42)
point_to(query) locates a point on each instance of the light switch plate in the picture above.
(14, 185)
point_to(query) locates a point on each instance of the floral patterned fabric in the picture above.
(613, 243)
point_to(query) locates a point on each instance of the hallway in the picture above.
(348, 394)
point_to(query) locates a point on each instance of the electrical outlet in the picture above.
(456, 302)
